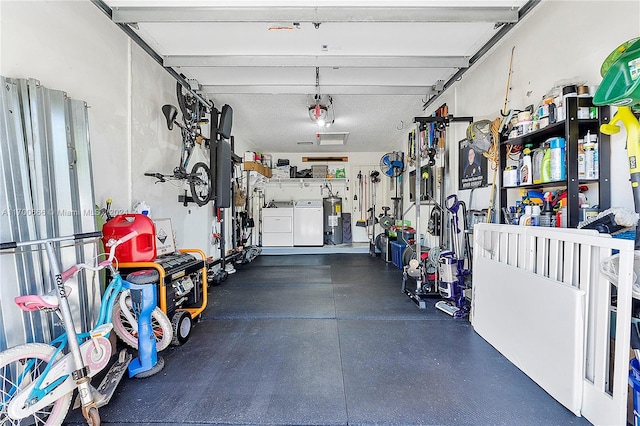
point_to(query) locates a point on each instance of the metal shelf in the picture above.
(304, 181)
(571, 130)
(255, 166)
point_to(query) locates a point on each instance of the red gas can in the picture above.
(141, 248)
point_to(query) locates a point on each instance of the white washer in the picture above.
(277, 227)
(308, 223)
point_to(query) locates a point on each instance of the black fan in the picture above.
(392, 164)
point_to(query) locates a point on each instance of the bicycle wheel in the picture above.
(200, 184)
(127, 332)
(192, 110)
(19, 367)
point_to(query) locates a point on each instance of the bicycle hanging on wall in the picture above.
(193, 116)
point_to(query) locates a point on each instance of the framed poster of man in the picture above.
(473, 167)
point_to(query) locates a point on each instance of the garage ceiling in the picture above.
(373, 64)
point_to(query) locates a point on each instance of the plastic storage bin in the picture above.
(396, 253)
(406, 235)
(141, 248)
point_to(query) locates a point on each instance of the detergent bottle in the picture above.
(525, 219)
(558, 164)
(581, 159)
(591, 156)
(545, 173)
(526, 171)
(537, 165)
(535, 215)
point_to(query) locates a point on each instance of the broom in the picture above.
(360, 222)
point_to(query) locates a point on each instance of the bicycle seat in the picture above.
(144, 276)
(34, 302)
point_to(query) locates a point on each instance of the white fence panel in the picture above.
(550, 312)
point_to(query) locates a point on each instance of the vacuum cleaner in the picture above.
(451, 267)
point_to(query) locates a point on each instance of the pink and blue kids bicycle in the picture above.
(38, 380)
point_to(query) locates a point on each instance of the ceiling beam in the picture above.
(139, 14)
(524, 10)
(311, 89)
(318, 61)
(149, 50)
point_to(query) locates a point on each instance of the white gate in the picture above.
(539, 298)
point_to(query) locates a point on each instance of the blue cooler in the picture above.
(396, 253)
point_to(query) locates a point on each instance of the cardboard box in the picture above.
(319, 171)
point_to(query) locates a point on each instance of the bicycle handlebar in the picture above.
(112, 244)
(80, 236)
(7, 246)
(159, 176)
(83, 235)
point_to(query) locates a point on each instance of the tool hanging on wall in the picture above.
(507, 114)
(215, 274)
(374, 175)
(362, 191)
(411, 147)
(434, 224)
(215, 232)
(493, 157)
(417, 268)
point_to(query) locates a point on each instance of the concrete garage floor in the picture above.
(329, 340)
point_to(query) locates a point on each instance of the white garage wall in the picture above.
(296, 189)
(559, 40)
(72, 46)
(156, 149)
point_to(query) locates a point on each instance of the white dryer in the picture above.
(308, 223)
(277, 226)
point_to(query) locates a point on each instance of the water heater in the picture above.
(332, 208)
